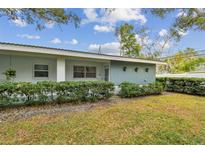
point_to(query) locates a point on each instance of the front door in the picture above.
(106, 74)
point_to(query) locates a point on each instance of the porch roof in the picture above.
(4, 46)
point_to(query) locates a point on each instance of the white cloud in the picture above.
(184, 13)
(90, 14)
(50, 24)
(124, 15)
(138, 38)
(56, 41)
(19, 22)
(59, 41)
(143, 40)
(181, 33)
(99, 28)
(112, 48)
(27, 36)
(181, 12)
(163, 32)
(74, 42)
(165, 45)
(114, 16)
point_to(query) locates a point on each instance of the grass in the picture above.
(165, 119)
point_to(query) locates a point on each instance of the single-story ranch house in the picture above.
(35, 63)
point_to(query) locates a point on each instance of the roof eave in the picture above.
(70, 53)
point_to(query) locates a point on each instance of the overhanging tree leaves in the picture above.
(41, 17)
(127, 39)
(187, 19)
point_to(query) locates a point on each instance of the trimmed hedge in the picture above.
(129, 90)
(194, 86)
(49, 91)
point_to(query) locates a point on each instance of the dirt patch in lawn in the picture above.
(11, 114)
(29, 111)
(23, 112)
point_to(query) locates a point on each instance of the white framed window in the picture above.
(84, 72)
(78, 71)
(40, 71)
(90, 72)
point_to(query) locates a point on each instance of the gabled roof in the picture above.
(70, 53)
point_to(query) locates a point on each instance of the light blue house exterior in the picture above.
(141, 76)
(34, 63)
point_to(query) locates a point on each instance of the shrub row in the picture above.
(194, 86)
(49, 91)
(129, 90)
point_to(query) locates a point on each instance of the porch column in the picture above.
(60, 69)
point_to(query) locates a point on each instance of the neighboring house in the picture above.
(183, 75)
(201, 67)
(35, 63)
(198, 73)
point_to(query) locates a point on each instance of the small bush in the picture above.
(49, 91)
(194, 86)
(129, 90)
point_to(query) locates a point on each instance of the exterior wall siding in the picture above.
(69, 69)
(24, 67)
(141, 77)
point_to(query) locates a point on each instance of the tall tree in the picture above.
(41, 16)
(152, 44)
(127, 39)
(183, 61)
(186, 19)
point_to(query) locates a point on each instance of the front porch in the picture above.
(82, 69)
(40, 67)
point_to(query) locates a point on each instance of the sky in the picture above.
(97, 28)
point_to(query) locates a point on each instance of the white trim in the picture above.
(61, 69)
(70, 53)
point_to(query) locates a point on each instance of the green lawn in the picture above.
(164, 119)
